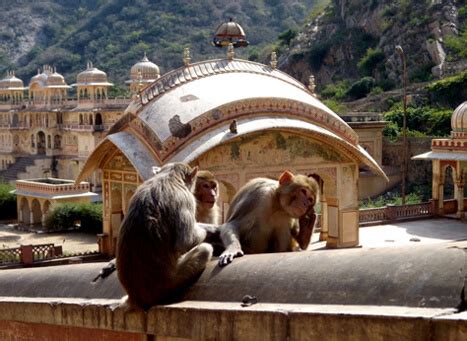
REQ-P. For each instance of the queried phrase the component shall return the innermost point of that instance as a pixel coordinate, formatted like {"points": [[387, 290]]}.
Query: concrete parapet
{"points": [[412, 292]]}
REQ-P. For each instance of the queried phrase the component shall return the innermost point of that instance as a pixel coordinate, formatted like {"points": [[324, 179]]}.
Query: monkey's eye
{"points": [[206, 186], [303, 191]]}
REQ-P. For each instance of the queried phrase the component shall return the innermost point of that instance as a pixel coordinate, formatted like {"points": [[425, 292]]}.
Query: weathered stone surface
{"points": [[412, 276]]}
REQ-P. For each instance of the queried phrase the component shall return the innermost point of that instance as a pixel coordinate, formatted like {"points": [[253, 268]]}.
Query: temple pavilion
{"points": [[187, 115]]}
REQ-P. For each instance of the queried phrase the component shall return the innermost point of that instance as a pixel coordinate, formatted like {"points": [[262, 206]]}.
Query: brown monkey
{"points": [[160, 247], [264, 216], [206, 193]]}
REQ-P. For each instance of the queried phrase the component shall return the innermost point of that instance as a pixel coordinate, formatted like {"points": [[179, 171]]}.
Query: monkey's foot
{"points": [[227, 256]]}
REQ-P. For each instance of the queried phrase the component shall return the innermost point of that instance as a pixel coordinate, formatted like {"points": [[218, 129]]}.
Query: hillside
{"points": [[350, 47], [114, 34]]}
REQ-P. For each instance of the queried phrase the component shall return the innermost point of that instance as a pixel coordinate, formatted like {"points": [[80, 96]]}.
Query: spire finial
{"points": [[312, 84], [273, 59], [186, 56], [230, 52]]}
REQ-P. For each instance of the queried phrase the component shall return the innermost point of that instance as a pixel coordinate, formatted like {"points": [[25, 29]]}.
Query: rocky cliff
{"points": [[353, 39]]}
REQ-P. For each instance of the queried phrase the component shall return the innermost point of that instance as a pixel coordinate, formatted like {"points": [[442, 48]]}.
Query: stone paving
{"points": [[71, 241], [417, 232]]}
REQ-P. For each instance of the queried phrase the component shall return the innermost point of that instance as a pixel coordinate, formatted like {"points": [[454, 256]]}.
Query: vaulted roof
{"points": [[188, 111]]}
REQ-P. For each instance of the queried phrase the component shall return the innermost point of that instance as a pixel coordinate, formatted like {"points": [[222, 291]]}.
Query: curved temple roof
{"points": [[188, 111]]}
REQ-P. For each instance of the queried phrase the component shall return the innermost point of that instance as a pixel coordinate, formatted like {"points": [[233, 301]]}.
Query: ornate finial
{"points": [[233, 127], [90, 65], [230, 52], [38, 70], [312, 84], [273, 59], [186, 56]]}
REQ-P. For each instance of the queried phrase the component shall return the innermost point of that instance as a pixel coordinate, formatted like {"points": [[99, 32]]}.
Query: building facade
{"points": [[44, 130]]}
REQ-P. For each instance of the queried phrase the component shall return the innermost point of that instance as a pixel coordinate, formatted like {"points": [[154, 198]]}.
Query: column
{"points": [[460, 199]]}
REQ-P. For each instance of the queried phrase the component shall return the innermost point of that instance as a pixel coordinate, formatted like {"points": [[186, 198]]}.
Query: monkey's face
{"points": [[206, 193], [298, 201]]}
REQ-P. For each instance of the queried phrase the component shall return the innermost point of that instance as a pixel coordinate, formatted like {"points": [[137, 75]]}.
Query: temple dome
{"points": [[56, 79], [459, 118], [149, 70], [230, 32], [11, 82], [92, 76]]}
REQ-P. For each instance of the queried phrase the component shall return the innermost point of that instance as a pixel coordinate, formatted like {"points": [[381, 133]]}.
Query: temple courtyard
{"points": [[426, 231]]}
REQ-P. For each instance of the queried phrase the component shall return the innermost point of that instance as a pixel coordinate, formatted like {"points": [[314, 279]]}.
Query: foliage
{"points": [[450, 91], [286, 37], [7, 202], [334, 105], [360, 88], [390, 199], [372, 59], [336, 90], [66, 215], [114, 34], [421, 121]]}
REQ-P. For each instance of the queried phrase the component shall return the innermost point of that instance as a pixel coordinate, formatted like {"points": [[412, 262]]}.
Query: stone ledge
{"points": [[228, 320]]}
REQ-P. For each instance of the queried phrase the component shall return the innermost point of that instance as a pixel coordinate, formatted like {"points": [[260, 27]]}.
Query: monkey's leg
{"points": [[192, 264], [281, 240]]}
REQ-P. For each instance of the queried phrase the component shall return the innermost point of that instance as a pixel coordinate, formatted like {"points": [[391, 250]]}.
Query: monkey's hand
{"points": [[307, 224], [228, 256]]}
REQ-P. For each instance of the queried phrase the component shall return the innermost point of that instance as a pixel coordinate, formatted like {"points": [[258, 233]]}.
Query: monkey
{"points": [[160, 248], [264, 216], [206, 194]]}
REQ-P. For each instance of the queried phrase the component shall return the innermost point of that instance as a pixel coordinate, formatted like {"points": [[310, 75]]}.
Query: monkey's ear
{"points": [[285, 178], [193, 173]]}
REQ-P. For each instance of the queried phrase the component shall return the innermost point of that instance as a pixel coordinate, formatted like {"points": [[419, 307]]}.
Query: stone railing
{"points": [[84, 127], [52, 186], [28, 254], [395, 212]]}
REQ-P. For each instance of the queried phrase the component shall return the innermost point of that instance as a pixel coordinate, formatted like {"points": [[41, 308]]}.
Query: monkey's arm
{"points": [[307, 223], [230, 237], [212, 232]]}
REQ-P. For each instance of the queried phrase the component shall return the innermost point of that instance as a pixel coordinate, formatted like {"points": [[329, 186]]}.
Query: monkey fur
{"points": [[264, 216], [160, 247]]}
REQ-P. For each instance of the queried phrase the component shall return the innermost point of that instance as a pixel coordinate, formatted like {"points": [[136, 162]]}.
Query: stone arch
{"points": [[448, 181], [49, 141], [81, 120], [15, 122], [98, 119], [24, 211], [36, 212], [41, 142]]}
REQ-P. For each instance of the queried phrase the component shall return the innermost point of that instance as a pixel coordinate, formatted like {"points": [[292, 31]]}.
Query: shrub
{"points": [[421, 121], [450, 91], [335, 91], [371, 60], [7, 202], [64, 216], [360, 88]]}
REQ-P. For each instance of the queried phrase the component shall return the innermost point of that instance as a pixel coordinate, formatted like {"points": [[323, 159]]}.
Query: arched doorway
{"points": [[98, 120], [41, 146], [36, 212]]}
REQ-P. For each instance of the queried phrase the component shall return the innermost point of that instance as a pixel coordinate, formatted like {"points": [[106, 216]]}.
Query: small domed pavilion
{"points": [[91, 84], [48, 87], [143, 73], [187, 115], [11, 88], [449, 153]]}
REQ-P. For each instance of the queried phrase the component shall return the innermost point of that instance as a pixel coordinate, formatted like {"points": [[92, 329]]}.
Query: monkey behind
{"points": [[160, 247]]}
